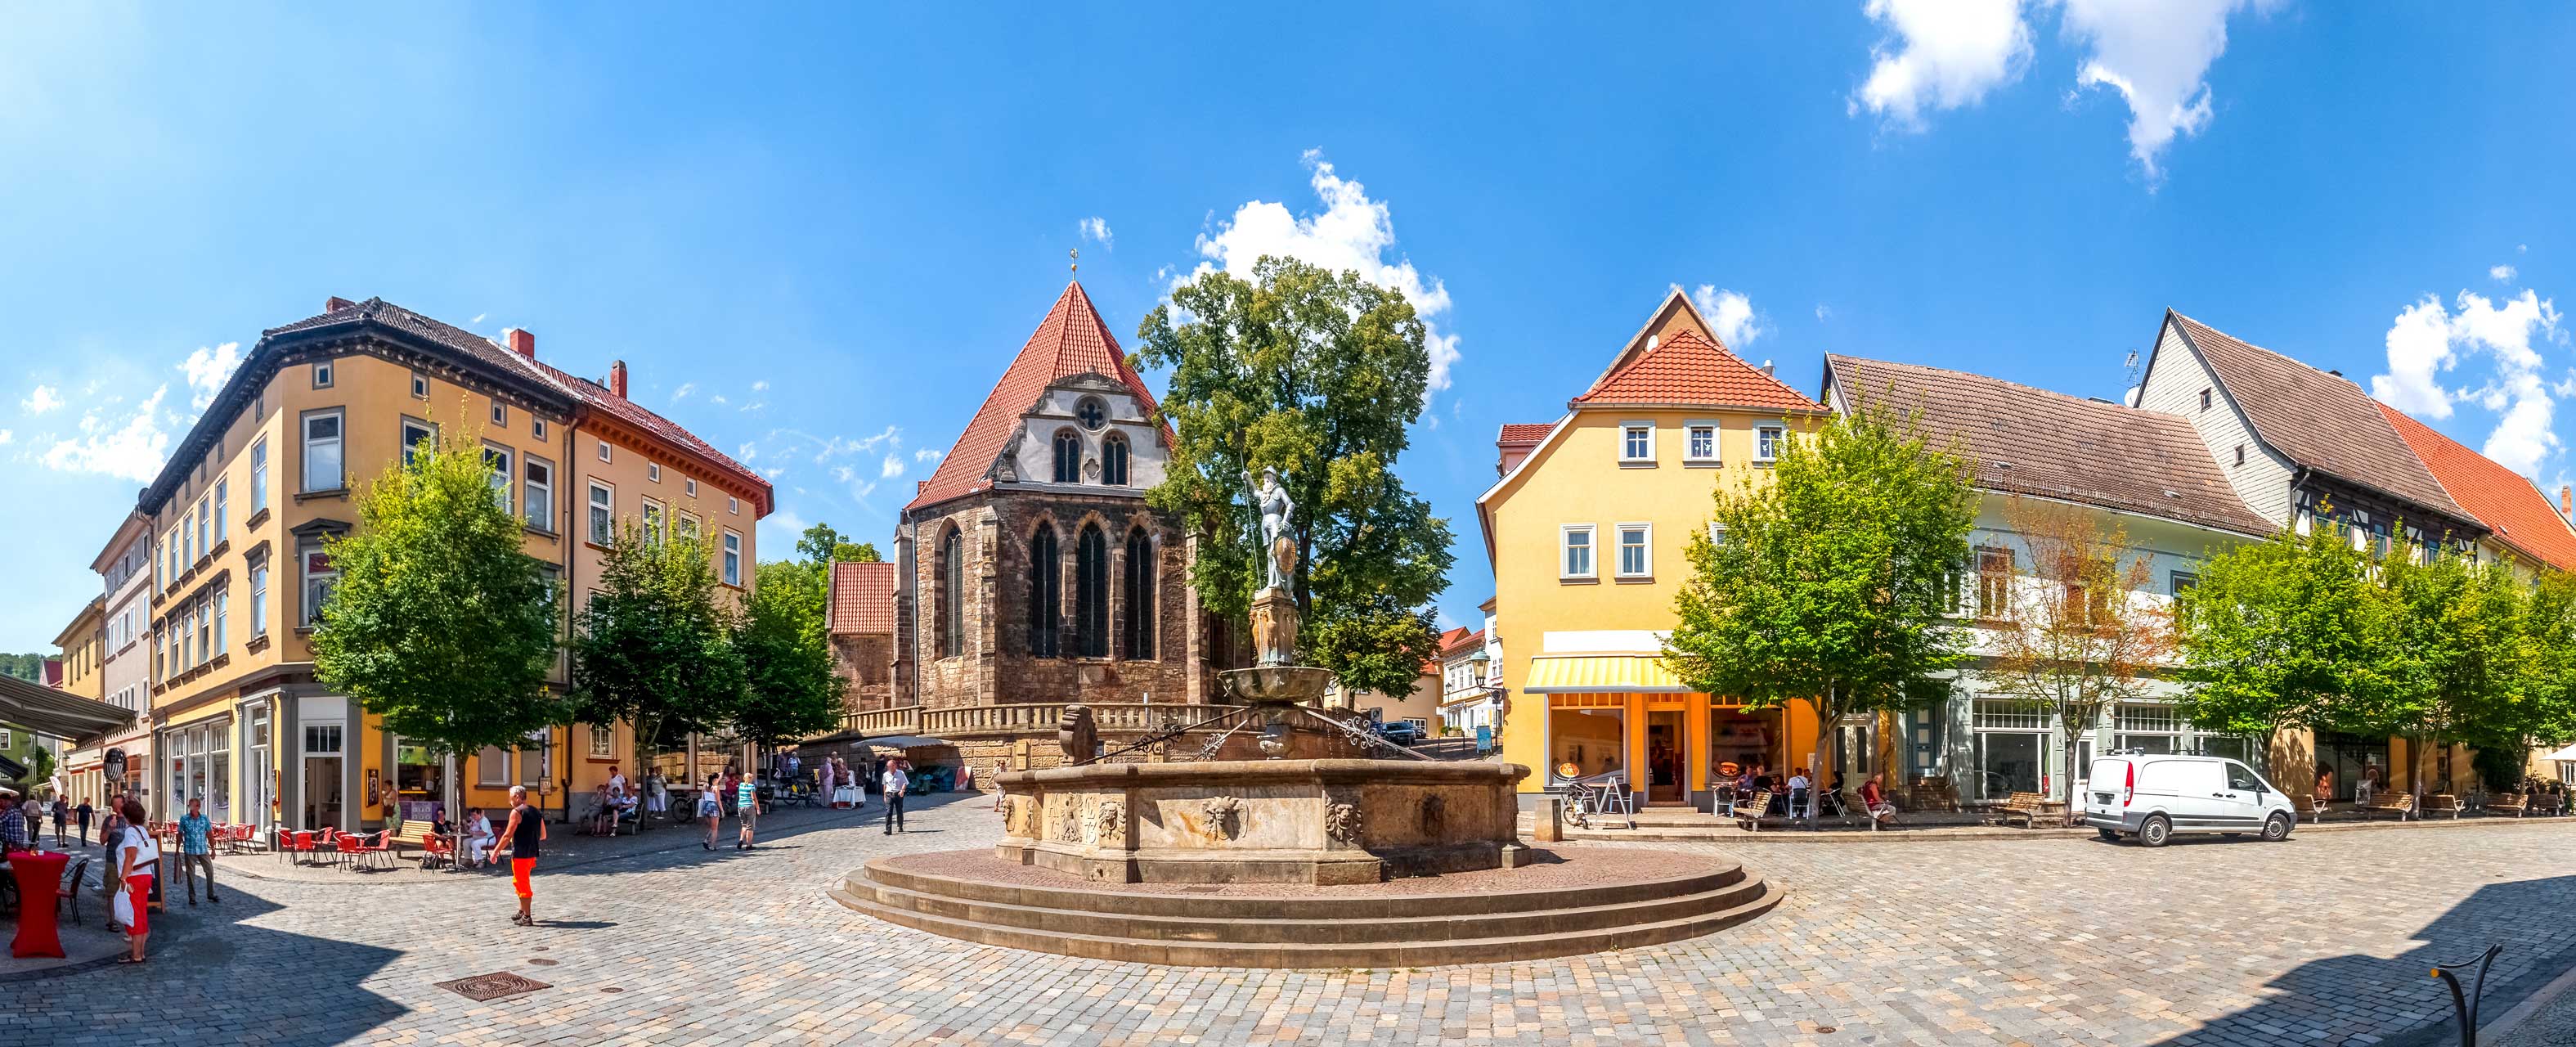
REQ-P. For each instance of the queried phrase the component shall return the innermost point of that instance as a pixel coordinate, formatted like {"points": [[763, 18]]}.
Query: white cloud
{"points": [[1940, 54], [2500, 274], [8, 437], [754, 406], [893, 467], [1730, 314], [1096, 230], [719, 399], [478, 318], [760, 386], [844, 473], [746, 451], [928, 454], [682, 393], [774, 472], [207, 369], [1353, 232], [2427, 340], [1822, 312], [2156, 56], [44, 399], [128, 447]]}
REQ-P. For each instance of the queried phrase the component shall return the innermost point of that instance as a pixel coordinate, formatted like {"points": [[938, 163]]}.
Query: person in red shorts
{"points": [[524, 833], [137, 859]]}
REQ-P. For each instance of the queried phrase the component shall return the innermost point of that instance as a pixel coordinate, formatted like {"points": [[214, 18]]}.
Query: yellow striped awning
{"points": [[1602, 674]]}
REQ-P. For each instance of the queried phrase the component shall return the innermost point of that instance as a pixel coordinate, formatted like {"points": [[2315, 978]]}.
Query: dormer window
{"points": [[1092, 412], [1068, 457]]}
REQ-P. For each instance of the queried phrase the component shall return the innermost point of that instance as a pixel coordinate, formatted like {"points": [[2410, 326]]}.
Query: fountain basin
{"points": [[1275, 683], [1317, 822]]}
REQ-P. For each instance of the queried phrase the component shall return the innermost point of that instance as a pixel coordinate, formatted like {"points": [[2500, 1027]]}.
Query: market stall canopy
{"points": [[905, 741], [45, 710], [2566, 755]]}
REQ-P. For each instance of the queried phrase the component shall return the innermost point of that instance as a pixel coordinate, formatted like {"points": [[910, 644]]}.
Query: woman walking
{"points": [[137, 859], [710, 810], [525, 834]]}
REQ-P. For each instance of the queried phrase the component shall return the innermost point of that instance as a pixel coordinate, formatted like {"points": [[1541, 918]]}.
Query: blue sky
{"points": [[831, 227]]}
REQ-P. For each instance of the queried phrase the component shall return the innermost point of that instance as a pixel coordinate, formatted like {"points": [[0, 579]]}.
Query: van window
{"points": [[2108, 774], [2181, 778], [2241, 778]]}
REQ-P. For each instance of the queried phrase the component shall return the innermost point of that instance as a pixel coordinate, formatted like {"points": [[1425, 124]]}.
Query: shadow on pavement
{"points": [[772, 836], [2395, 1002]]}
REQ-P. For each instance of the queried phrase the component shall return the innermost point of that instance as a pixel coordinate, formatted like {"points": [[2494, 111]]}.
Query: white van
{"points": [[2153, 796]]}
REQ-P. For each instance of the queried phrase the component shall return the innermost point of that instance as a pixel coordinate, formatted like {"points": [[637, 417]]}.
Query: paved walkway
{"points": [[2320, 940]]}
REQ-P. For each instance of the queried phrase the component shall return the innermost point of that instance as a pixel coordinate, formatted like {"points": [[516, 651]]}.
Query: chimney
{"points": [[617, 378], [1767, 370], [2566, 500], [521, 341], [335, 303]]}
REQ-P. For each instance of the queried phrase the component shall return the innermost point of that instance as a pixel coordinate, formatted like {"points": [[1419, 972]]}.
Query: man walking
{"points": [[746, 800], [895, 786], [197, 851], [85, 812], [525, 833], [62, 819]]}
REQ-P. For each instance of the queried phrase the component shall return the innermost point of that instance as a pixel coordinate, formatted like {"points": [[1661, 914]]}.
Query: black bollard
{"points": [[2464, 1005]]}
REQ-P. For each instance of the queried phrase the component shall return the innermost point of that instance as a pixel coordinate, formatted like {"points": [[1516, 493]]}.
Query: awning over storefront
{"points": [[47, 711], [1602, 674]]}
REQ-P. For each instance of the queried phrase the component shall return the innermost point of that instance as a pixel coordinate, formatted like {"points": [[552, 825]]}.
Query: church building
{"points": [[1030, 568]]}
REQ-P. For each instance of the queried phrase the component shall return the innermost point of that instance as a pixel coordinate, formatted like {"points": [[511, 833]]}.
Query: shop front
{"points": [[1627, 714], [196, 759]]}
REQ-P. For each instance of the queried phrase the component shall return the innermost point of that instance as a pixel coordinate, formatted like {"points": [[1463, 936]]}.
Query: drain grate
{"points": [[612, 988], [1202, 890], [541, 961], [483, 988]]}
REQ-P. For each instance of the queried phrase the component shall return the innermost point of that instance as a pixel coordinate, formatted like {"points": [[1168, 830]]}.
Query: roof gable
{"points": [[2024, 440], [1685, 367], [2501, 499], [1071, 341], [2317, 420], [862, 597]]}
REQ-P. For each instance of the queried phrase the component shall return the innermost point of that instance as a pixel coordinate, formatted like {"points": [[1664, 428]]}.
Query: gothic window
{"points": [[1068, 457], [1091, 592], [1113, 461], [1092, 413], [952, 593], [1046, 593], [1140, 597]]}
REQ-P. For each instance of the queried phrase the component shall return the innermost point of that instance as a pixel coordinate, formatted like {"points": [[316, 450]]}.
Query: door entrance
{"points": [[321, 792], [1665, 762]]}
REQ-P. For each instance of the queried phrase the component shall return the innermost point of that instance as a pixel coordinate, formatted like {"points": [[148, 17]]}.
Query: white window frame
{"points": [[733, 506], [536, 428], [223, 499], [604, 453], [259, 474], [1768, 450], [500, 415], [653, 471], [657, 521], [419, 386], [601, 531], [1630, 429], [1716, 437], [501, 464], [338, 443], [1591, 552], [732, 557], [322, 374], [603, 742], [410, 445], [537, 496], [686, 525], [689, 484], [1645, 550], [259, 600]]}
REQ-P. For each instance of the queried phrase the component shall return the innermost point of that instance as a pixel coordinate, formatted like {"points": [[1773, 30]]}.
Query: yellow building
{"points": [[84, 647], [318, 408], [1586, 531]]}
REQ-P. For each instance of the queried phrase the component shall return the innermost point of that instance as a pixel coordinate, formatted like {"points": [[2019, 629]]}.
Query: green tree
{"points": [[1316, 374], [2278, 634], [2450, 653], [1835, 579], [1380, 649], [440, 623], [29, 667], [653, 647], [821, 545], [2540, 709], [792, 691], [40, 768], [856, 552]]}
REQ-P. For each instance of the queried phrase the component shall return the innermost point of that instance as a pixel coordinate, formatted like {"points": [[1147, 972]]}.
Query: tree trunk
{"points": [[2066, 769], [1828, 718]]}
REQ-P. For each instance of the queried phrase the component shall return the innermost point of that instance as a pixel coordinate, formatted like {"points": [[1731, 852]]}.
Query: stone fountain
{"points": [[1308, 798]]}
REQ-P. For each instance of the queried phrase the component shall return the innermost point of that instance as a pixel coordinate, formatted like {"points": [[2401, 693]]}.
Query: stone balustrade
{"points": [[986, 721]]}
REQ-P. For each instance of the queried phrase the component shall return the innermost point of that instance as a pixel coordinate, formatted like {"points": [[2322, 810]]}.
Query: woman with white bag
{"points": [[138, 859]]}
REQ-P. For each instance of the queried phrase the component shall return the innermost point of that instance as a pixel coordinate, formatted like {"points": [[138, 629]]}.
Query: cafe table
{"points": [[39, 875]]}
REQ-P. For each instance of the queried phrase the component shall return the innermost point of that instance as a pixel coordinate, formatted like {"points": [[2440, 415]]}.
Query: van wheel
{"points": [[2276, 828], [2109, 835], [2157, 832]]}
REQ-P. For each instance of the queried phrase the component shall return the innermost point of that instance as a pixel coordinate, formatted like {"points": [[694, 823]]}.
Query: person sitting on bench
{"points": [[1873, 799]]}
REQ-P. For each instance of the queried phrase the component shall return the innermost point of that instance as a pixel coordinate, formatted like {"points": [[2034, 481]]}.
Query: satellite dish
{"points": [[2131, 397]]}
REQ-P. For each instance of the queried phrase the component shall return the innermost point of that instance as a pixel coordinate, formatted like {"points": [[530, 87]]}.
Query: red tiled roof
{"points": [[863, 597], [2499, 497], [2023, 440], [2319, 420], [1524, 432], [678, 437], [1685, 368], [1460, 639], [1071, 340]]}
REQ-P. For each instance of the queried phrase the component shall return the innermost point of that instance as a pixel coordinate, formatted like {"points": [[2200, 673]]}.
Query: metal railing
{"points": [[975, 721]]}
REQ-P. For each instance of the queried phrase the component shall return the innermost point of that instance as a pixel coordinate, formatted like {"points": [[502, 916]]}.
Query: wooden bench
{"points": [[2313, 808], [2400, 804], [1749, 813], [2029, 807], [2440, 803], [2515, 804]]}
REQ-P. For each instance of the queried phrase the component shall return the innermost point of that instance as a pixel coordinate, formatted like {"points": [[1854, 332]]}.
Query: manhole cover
{"points": [[488, 987], [541, 961]]}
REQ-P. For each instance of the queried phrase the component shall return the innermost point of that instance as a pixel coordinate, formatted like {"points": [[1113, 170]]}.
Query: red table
{"points": [[40, 875]]}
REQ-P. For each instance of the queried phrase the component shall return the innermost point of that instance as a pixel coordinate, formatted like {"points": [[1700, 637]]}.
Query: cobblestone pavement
{"points": [[2319, 940]]}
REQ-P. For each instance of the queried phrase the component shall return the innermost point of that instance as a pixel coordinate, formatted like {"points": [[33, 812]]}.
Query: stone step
{"points": [[1108, 900], [1334, 955], [1343, 930]]}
